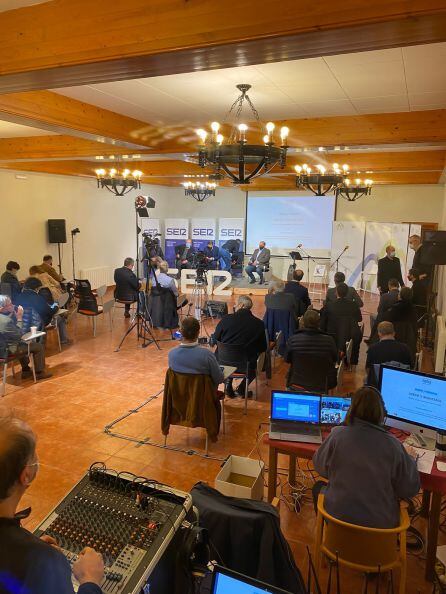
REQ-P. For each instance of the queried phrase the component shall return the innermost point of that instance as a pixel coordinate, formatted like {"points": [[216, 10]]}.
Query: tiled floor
{"points": [[93, 385]]}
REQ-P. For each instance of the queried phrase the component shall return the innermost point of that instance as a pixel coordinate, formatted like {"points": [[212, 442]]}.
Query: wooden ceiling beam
{"points": [[68, 43]]}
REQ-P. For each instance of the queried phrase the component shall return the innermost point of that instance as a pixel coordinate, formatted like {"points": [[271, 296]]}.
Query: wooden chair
{"points": [[363, 549], [4, 362]]}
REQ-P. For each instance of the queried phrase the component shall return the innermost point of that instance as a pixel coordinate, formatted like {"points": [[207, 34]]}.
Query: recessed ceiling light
{"points": [[98, 157], [111, 156], [337, 148], [125, 156], [321, 149], [136, 156]]}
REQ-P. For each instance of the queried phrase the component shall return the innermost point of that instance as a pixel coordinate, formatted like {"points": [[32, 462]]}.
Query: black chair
{"points": [[310, 372], [88, 304], [5, 289], [234, 355], [161, 308]]}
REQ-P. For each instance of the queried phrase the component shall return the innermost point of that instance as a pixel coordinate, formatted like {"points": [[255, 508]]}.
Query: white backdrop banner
{"points": [[176, 232], [151, 226], [203, 230], [231, 229], [351, 234], [377, 237]]}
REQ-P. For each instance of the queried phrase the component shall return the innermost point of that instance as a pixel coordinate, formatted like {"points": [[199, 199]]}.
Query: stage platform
{"points": [[241, 286]]}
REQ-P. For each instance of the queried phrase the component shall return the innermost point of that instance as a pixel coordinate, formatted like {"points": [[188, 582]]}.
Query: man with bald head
{"points": [[387, 350], [389, 267], [28, 564]]}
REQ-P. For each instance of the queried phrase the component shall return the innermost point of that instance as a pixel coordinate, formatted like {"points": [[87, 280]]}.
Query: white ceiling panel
{"points": [[318, 109], [417, 99], [388, 103]]}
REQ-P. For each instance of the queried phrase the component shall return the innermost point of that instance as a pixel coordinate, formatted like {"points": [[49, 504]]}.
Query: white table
{"points": [[28, 338]]}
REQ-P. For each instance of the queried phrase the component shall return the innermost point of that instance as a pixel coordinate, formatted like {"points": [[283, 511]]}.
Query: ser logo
{"points": [[175, 231], [151, 232], [426, 381], [230, 232], [202, 232]]}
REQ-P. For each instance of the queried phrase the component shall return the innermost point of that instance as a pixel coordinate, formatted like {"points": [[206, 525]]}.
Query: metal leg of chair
{"points": [[58, 335], [245, 412], [257, 385], [165, 440], [223, 413], [111, 320], [94, 326], [13, 368], [5, 367], [31, 358], [207, 444]]}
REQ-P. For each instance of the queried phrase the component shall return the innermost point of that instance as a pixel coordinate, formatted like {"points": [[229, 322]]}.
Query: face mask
{"points": [[392, 254]]}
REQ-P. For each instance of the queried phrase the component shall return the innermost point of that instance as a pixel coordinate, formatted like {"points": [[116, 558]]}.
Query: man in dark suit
{"points": [[242, 328], [419, 292], [386, 301], [403, 315], [299, 291], [212, 254], [387, 350], [352, 294], [388, 267], [259, 262], [127, 285], [424, 270], [340, 318], [184, 256]]}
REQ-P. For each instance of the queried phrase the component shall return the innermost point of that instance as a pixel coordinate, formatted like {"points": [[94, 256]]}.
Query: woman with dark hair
{"points": [[368, 469]]}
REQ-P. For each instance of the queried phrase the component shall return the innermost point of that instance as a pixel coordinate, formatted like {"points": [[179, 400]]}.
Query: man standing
{"points": [[299, 291], [244, 329], [127, 285], [27, 563], [9, 277], [259, 263], [387, 350], [11, 340], [352, 293], [388, 267], [47, 266], [424, 270]]}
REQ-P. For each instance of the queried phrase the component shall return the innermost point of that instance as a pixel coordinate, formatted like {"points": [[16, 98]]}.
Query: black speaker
{"points": [[57, 232], [433, 248]]}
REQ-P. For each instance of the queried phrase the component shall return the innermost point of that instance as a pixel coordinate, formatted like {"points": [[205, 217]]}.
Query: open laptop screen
{"points": [[334, 409], [295, 406], [226, 581]]}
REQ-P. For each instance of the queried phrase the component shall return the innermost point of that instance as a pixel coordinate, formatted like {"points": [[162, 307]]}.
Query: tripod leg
{"points": [[127, 332]]}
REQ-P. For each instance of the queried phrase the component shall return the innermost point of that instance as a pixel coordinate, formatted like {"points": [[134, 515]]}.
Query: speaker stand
{"points": [[60, 259]]}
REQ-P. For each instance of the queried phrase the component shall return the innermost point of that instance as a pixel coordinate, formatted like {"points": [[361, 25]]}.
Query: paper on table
{"points": [[425, 460], [442, 468]]}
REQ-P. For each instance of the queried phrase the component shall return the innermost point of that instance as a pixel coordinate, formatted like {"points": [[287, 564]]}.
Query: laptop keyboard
{"points": [[277, 427]]}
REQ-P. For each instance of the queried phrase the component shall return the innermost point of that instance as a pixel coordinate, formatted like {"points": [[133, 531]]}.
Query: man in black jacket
{"points": [[27, 563], [9, 277], [352, 294], [311, 341], [340, 318], [388, 267], [419, 292], [424, 270], [184, 256], [403, 316], [127, 285], [242, 328], [299, 291], [387, 350]]}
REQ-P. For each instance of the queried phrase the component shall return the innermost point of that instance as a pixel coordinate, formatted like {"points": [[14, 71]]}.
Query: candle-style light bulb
{"points": [[270, 127], [266, 139], [112, 172], [357, 181], [347, 181], [215, 127], [202, 134], [321, 169], [137, 174], [242, 129], [298, 169], [284, 131], [219, 138], [345, 168]]}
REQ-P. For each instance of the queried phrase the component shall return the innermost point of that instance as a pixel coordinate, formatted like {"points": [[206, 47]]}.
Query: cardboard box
{"points": [[241, 477]]}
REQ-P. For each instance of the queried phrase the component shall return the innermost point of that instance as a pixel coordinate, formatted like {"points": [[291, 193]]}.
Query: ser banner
{"points": [[203, 230], [230, 230], [348, 234], [176, 233]]}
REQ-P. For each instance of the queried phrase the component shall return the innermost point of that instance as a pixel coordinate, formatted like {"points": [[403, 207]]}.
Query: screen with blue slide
{"points": [[414, 397], [285, 221], [225, 583], [295, 406]]}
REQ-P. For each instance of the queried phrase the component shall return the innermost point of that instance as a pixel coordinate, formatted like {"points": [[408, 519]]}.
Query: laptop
{"points": [[226, 581], [295, 416], [334, 410]]}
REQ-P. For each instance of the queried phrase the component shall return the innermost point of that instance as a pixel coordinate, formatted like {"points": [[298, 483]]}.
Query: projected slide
{"points": [[286, 221], [415, 398]]}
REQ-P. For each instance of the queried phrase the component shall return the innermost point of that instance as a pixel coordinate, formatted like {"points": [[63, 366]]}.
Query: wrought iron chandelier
{"points": [[239, 161], [199, 190], [119, 181], [352, 192]]}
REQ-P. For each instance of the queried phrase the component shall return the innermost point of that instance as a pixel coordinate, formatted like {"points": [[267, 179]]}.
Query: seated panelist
{"points": [[212, 254], [259, 263], [184, 256]]}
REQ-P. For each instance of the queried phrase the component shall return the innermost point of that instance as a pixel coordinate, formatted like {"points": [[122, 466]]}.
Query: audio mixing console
{"points": [[130, 520]]}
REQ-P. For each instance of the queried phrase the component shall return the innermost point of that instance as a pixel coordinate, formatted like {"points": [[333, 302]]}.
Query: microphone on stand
{"points": [[300, 245], [346, 248]]}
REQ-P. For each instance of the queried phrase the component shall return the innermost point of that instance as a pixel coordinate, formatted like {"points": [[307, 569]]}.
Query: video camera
{"points": [[201, 265], [150, 241]]}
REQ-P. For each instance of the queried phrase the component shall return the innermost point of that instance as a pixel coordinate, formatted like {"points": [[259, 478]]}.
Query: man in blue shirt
{"points": [[164, 280], [190, 357]]}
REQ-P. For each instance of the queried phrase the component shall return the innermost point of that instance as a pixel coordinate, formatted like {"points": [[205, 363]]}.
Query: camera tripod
{"points": [[199, 303], [139, 320]]}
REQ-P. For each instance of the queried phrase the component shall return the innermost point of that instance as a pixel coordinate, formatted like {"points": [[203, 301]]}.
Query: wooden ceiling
{"points": [[90, 41]]}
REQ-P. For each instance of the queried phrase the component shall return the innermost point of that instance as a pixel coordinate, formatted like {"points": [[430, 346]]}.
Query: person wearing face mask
{"points": [[28, 563], [259, 262], [389, 267], [184, 256]]}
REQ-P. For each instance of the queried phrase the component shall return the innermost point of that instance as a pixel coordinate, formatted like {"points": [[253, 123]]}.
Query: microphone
{"points": [[300, 245], [346, 248]]}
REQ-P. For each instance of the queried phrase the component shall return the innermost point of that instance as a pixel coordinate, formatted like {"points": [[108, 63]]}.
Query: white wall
{"points": [[107, 223]]}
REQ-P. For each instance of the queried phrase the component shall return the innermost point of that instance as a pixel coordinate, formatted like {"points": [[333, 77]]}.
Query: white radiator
{"points": [[440, 345], [102, 275]]}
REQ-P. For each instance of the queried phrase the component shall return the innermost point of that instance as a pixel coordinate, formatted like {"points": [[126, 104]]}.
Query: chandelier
{"points": [[199, 190], [322, 181], [235, 158], [119, 181], [352, 192]]}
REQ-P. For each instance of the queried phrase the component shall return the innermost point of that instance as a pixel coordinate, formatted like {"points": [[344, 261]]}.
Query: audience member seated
{"points": [[184, 256], [244, 329], [386, 300], [419, 292], [281, 314], [387, 350], [127, 285], [47, 266], [259, 262], [300, 292], [340, 318], [9, 277], [367, 468], [389, 267], [27, 563], [403, 315], [212, 254], [309, 340], [47, 281], [164, 280], [11, 330], [190, 357], [162, 300], [352, 294], [37, 310]]}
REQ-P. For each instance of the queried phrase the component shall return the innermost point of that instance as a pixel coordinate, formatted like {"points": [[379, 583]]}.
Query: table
{"points": [[28, 338], [433, 485]]}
